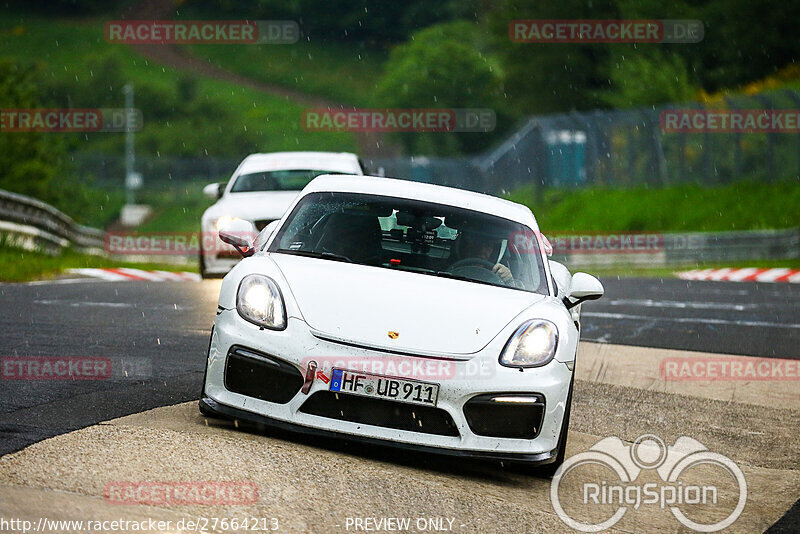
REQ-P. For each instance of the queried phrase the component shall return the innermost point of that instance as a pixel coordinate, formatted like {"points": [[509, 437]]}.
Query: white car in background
{"points": [[260, 190], [401, 313]]}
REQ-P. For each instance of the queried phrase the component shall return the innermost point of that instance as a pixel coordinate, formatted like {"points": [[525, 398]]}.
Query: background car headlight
{"points": [[259, 301], [224, 221], [532, 344]]}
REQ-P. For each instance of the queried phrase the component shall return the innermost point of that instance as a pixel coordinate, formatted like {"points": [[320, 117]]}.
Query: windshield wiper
{"points": [[313, 254]]}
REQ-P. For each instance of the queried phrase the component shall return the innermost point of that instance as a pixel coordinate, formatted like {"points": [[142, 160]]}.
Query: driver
{"points": [[473, 245]]}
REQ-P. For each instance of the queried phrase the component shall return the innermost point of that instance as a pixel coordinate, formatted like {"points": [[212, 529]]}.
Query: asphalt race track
{"points": [[162, 326], [753, 319], [155, 335]]}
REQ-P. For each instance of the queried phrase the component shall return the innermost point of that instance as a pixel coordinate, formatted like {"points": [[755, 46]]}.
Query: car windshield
{"points": [[410, 235], [283, 180]]}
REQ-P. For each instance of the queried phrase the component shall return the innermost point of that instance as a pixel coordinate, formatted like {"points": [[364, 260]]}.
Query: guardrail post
{"points": [[770, 152]]}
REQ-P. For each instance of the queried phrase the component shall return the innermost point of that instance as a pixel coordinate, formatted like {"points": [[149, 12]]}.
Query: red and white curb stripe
{"points": [[749, 274], [137, 275]]}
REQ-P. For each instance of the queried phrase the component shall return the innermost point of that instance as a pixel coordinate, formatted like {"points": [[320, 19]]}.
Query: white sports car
{"points": [[401, 313], [260, 190]]}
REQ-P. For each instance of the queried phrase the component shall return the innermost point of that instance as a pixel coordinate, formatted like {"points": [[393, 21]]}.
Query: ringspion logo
{"points": [[624, 489]]}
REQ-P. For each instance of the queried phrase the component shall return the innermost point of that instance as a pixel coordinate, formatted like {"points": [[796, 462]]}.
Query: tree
{"points": [[442, 67], [550, 77], [28, 161], [35, 163], [648, 78]]}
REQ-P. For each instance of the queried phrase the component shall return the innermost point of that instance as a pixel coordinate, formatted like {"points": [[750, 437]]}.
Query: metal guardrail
{"points": [[676, 249], [31, 224], [732, 246]]}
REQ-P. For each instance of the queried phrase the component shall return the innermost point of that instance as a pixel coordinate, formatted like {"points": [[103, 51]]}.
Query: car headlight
{"points": [[533, 344], [259, 301], [224, 221]]}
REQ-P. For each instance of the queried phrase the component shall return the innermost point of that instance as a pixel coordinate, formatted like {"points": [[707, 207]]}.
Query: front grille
{"points": [[488, 417], [379, 412], [260, 225], [255, 374]]}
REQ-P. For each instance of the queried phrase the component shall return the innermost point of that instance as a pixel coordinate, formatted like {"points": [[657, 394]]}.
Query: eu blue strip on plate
{"points": [[336, 380]]}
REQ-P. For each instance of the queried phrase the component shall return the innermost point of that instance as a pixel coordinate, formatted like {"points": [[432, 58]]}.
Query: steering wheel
{"points": [[475, 268], [472, 262]]}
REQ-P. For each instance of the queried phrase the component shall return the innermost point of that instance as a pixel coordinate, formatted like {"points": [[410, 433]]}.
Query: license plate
{"points": [[384, 387]]}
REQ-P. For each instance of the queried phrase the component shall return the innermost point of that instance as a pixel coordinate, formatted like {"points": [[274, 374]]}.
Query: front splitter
{"points": [[208, 404]]}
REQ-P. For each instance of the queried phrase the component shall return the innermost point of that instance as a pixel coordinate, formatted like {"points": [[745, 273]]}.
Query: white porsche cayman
{"points": [[401, 313]]}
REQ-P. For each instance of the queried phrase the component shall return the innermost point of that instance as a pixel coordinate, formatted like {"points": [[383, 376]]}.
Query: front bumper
{"points": [[462, 381], [238, 414]]}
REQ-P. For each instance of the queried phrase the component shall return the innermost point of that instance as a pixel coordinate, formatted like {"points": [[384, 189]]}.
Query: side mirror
{"points": [[213, 191], [583, 287], [237, 233]]}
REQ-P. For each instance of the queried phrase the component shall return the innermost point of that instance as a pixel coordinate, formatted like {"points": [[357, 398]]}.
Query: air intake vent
{"points": [[260, 375], [505, 415]]}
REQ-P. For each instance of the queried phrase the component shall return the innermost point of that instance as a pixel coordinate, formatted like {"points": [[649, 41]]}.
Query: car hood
{"points": [[253, 206], [432, 315]]}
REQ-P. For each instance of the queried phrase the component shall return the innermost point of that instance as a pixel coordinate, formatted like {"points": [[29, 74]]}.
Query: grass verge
{"points": [[328, 70], [690, 208], [18, 265], [175, 210]]}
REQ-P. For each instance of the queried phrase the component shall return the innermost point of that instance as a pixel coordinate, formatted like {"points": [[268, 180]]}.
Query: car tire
{"points": [[548, 470]]}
